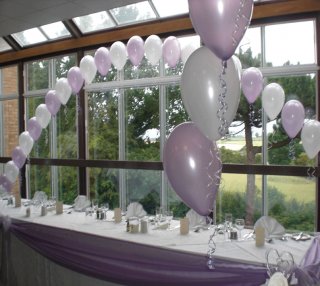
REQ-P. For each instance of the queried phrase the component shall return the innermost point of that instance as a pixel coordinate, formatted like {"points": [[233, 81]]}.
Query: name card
{"points": [[17, 200], [59, 207], [260, 236]]}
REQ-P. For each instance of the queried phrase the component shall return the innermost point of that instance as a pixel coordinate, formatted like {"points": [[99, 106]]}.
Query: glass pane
{"points": [[249, 49], [239, 195], [68, 184], [144, 70], [65, 127], [29, 37], [133, 13], [94, 22], [9, 82], [41, 147], [291, 200], [144, 186], [290, 44], [175, 112], [104, 186], [63, 64], [103, 135], [167, 8], [142, 124], [38, 75], [39, 180], [302, 88], [4, 46], [9, 126], [55, 30]]}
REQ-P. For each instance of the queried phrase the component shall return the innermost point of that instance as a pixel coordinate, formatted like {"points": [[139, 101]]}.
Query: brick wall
{"points": [[9, 86]]}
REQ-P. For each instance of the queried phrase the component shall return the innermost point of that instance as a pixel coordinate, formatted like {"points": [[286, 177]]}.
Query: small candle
{"points": [[184, 226], [59, 207], [117, 215], [260, 236], [17, 200]]}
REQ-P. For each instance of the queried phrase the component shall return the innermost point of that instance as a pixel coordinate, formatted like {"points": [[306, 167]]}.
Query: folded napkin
{"points": [[81, 203], [195, 219], [278, 279], [271, 226], [135, 209], [39, 198]]}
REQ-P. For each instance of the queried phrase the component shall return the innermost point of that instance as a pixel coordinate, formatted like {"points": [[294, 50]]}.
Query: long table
{"points": [[75, 249]]}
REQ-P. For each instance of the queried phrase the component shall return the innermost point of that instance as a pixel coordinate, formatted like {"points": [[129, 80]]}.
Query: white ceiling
{"points": [[19, 15]]}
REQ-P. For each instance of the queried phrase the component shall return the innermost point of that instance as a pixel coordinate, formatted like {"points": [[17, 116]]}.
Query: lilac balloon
{"points": [[252, 84], [18, 157], [171, 51], [102, 60], [191, 163], [292, 117], [5, 184], [75, 79], [52, 102], [34, 128], [135, 50], [221, 24]]}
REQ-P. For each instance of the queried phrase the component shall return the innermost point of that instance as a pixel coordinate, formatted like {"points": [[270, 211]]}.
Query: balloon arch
{"points": [[211, 85]]}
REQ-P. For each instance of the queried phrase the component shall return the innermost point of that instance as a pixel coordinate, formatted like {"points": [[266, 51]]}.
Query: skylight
{"points": [[94, 22], [42, 34], [133, 13], [29, 37], [55, 30], [4, 46], [167, 8]]}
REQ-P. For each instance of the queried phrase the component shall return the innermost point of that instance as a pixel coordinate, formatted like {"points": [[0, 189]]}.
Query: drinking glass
{"points": [[239, 224], [228, 221], [169, 215]]}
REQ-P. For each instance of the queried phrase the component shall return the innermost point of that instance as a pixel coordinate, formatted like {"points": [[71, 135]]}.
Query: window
{"points": [[130, 113]]}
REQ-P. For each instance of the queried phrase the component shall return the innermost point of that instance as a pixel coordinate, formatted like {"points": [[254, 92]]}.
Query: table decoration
{"points": [[135, 209], [271, 226], [184, 226]]}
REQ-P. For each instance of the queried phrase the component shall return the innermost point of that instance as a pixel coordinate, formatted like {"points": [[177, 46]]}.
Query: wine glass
{"points": [[169, 215], [104, 209], [228, 221], [239, 224]]}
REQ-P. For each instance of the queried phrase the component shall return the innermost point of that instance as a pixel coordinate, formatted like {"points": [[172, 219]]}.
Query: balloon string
{"points": [[272, 139], [223, 106], [237, 26], [212, 248], [46, 137], [251, 115], [65, 111], [311, 173], [292, 153], [214, 180]]}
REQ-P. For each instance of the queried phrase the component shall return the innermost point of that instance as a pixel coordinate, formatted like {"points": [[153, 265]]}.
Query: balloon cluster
{"points": [[210, 89]]}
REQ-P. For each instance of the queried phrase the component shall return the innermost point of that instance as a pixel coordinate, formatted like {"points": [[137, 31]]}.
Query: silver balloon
{"points": [[201, 92]]}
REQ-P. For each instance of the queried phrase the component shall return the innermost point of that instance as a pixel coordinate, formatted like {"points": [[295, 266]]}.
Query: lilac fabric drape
{"points": [[131, 263], [310, 264]]}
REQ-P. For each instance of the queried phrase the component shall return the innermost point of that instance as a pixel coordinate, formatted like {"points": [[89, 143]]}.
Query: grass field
{"points": [[301, 189]]}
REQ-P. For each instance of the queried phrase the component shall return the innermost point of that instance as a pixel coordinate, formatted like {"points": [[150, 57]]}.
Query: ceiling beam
{"points": [[262, 10]]}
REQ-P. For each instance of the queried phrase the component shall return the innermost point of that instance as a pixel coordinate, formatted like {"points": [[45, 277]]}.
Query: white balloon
{"points": [[238, 65], [153, 49], [43, 115], [310, 137], [118, 55], [88, 68], [63, 90], [186, 51], [11, 171], [273, 100], [200, 89], [25, 142]]}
